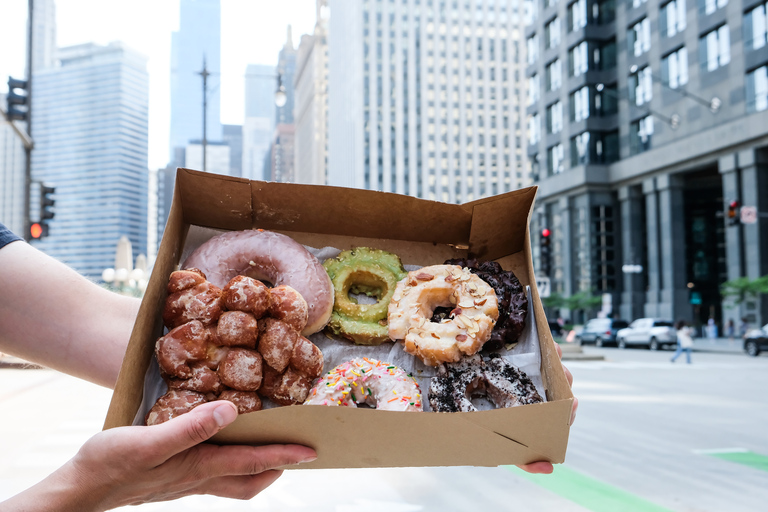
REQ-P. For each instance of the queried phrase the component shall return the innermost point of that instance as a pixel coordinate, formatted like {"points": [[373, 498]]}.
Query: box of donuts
{"points": [[380, 329]]}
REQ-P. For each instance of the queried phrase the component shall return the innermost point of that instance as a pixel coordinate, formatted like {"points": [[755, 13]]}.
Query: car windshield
{"points": [[620, 324], [662, 323]]}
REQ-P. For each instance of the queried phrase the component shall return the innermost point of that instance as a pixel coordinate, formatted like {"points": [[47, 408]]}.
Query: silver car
{"points": [[654, 333]]}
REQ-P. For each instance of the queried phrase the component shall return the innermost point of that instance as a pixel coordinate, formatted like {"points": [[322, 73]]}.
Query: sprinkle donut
{"points": [[271, 257], [473, 315], [367, 381]]}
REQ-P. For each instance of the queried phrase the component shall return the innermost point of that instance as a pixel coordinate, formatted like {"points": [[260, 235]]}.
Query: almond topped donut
{"points": [[271, 257], [473, 315]]}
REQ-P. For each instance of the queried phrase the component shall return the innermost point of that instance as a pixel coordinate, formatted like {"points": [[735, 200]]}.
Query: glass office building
{"points": [[91, 124]]}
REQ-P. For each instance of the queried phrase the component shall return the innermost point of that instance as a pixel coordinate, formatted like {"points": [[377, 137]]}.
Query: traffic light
{"points": [[733, 213], [544, 251], [39, 229], [18, 99]]}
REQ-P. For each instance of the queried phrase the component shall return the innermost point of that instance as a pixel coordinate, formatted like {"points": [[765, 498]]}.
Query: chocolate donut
{"points": [[513, 301], [502, 383]]}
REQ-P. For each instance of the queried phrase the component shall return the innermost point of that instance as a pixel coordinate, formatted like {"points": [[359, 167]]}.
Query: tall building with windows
{"points": [[646, 119], [258, 127], [279, 161], [198, 40], [425, 97], [90, 129]]}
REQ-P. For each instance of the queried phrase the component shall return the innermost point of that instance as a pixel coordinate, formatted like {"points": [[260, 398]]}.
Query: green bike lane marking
{"points": [[740, 456], [589, 492]]}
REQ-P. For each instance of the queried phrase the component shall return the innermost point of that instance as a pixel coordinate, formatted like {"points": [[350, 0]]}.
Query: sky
{"points": [[252, 32]]}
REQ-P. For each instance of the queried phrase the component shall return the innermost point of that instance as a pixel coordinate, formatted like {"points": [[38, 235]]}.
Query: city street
{"points": [[649, 436]]}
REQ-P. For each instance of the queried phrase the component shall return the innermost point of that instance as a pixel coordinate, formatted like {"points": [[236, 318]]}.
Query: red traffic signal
{"points": [[733, 213], [36, 230], [545, 233]]}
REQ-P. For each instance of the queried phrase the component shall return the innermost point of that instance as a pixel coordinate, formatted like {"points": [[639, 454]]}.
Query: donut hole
{"points": [[365, 288], [477, 393]]}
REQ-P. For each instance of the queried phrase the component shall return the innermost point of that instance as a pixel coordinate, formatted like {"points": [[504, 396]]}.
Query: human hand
{"points": [[134, 465], [544, 466]]}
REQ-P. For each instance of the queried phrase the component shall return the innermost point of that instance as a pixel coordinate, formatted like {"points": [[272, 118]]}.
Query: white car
{"points": [[653, 333]]}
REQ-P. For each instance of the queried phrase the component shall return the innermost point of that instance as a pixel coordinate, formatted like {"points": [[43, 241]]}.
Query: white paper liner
{"points": [[525, 355]]}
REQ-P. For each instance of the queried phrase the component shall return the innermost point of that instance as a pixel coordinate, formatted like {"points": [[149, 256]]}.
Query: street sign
{"points": [[748, 214], [695, 298], [542, 284]]}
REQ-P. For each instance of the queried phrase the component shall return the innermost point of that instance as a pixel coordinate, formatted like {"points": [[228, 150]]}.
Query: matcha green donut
{"points": [[363, 270]]}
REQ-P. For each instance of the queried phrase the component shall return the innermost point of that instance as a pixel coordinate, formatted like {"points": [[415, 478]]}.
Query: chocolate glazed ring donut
{"points": [[496, 379], [272, 257]]}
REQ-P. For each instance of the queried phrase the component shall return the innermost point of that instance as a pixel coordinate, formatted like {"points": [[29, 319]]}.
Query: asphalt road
{"points": [[649, 436]]}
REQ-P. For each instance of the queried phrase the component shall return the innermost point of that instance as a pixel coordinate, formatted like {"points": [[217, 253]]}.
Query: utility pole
{"points": [[205, 74]]}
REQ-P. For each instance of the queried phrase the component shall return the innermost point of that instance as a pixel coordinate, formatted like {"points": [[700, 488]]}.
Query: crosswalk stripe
{"points": [[588, 492], [740, 456]]}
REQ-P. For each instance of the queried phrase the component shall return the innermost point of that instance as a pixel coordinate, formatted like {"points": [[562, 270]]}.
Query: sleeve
{"points": [[7, 236]]}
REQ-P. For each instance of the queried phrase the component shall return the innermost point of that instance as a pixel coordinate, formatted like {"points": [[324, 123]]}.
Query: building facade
{"points": [[311, 107], [279, 161], [90, 129], [198, 40], [259, 123], [425, 97], [646, 119], [12, 163]]}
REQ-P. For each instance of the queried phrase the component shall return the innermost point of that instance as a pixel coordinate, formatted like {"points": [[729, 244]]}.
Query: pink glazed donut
{"points": [[271, 257]]}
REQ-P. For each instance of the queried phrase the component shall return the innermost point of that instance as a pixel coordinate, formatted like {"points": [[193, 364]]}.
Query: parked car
{"points": [[756, 341], [654, 333], [601, 331]]}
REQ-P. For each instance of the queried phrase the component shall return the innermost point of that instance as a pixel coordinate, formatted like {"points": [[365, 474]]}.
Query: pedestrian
{"points": [[730, 330], [744, 327], [684, 341], [53, 316], [711, 329]]}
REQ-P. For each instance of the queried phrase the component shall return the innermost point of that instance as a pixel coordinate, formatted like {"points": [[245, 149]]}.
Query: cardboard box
{"points": [[421, 232]]}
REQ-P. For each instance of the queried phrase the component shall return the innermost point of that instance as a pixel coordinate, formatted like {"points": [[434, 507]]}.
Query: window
{"points": [[555, 159], [533, 89], [534, 129], [580, 149], [715, 49], [555, 117], [580, 104], [757, 89], [640, 133], [552, 33], [639, 37], [606, 100], [530, 11], [710, 6], [638, 3], [672, 19], [756, 27], [578, 59], [532, 45], [674, 68], [641, 86], [577, 15], [554, 76]]}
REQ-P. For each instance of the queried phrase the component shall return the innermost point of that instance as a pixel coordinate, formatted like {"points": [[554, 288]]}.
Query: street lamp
{"points": [[127, 278], [713, 105]]}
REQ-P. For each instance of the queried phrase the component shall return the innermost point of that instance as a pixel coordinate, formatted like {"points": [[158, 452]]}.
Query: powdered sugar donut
{"points": [[367, 381], [272, 257]]}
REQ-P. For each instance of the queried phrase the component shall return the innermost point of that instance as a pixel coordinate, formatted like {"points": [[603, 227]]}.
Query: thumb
{"points": [[192, 428]]}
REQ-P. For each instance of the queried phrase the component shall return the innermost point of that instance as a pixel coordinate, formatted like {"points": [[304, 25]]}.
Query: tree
{"points": [[743, 288]]}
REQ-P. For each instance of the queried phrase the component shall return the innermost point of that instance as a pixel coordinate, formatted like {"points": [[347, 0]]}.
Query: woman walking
{"points": [[684, 341]]}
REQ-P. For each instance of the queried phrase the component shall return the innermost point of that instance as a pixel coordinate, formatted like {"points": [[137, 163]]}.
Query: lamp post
{"points": [[125, 278]]}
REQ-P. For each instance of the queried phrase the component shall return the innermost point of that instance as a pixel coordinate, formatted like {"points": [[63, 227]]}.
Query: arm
{"points": [[51, 315], [134, 465]]}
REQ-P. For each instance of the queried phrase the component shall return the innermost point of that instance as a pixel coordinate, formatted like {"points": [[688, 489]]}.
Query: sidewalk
{"points": [[723, 345]]}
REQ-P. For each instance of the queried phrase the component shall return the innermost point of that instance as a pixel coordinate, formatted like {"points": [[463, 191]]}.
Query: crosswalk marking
{"points": [[740, 456], [590, 493]]}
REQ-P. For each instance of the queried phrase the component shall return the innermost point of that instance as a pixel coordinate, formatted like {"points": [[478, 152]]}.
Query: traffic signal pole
{"points": [[28, 147]]}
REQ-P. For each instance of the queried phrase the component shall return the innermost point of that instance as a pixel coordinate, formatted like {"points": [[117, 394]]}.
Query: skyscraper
{"points": [[424, 97], [311, 107], [647, 122], [198, 39], [90, 128], [259, 124], [279, 164]]}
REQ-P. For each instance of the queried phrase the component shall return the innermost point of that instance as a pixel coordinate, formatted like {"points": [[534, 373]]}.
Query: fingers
{"points": [[245, 460], [541, 467], [240, 487], [568, 375], [573, 411], [559, 350], [190, 429]]}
